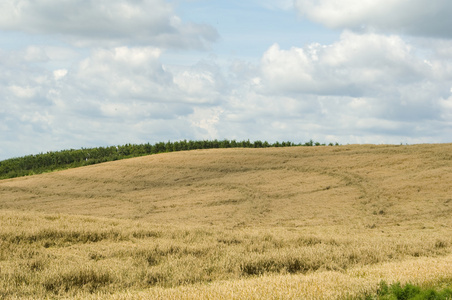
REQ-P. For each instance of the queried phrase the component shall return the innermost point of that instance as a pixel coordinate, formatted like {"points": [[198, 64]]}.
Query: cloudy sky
{"points": [[93, 73]]}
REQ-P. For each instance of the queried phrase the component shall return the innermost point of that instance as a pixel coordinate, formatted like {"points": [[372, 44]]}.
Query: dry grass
{"points": [[302, 222], [320, 285]]}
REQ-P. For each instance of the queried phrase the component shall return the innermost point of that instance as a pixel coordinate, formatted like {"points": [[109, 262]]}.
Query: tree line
{"points": [[59, 160]]}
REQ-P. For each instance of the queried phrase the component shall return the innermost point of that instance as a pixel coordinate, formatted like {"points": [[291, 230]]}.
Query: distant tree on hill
{"points": [[50, 161]]}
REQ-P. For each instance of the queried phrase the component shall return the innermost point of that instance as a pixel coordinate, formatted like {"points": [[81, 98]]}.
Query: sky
{"points": [[92, 73]]}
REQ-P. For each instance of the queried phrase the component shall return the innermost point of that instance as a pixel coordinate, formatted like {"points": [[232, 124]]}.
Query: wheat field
{"points": [[275, 223]]}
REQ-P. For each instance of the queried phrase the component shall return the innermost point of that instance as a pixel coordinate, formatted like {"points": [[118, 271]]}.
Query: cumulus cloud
{"points": [[416, 17], [371, 85], [204, 121], [129, 90], [117, 95], [106, 22], [363, 88], [123, 72], [203, 82], [356, 65], [136, 73]]}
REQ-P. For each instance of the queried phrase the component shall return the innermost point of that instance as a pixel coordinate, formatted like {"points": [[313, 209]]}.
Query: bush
{"points": [[410, 292]]}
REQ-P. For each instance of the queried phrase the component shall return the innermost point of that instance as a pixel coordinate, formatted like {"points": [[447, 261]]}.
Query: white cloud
{"points": [[358, 64], [35, 54], [114, 96], [58, 74], [194, 83], [369, 86], [205, 122], [363, 88], [415, 17], [137, 74], [203, 82], [446, 109], [105, 22], [123, 72], [22, 92]]}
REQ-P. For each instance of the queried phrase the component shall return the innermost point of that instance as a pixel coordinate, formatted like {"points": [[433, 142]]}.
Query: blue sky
{"points": [[248, 28], [95, 73]]}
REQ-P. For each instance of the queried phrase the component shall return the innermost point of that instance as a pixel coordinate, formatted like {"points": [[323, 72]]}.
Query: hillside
{"points": [[239, 213], [281, 186], [67, 159]]}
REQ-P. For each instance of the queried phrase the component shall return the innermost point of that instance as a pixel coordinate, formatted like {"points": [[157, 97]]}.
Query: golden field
{"points": [[275, 223]]}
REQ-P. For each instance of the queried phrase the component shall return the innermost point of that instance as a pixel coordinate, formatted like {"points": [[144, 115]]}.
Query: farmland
{"points": [[298, 222]]}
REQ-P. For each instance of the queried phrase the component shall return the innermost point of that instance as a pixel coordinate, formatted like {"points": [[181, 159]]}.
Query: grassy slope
{"points": [[351, 215]]}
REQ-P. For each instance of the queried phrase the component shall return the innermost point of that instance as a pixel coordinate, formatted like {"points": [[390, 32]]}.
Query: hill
{"points": [[354, 214], [66, 159]]}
